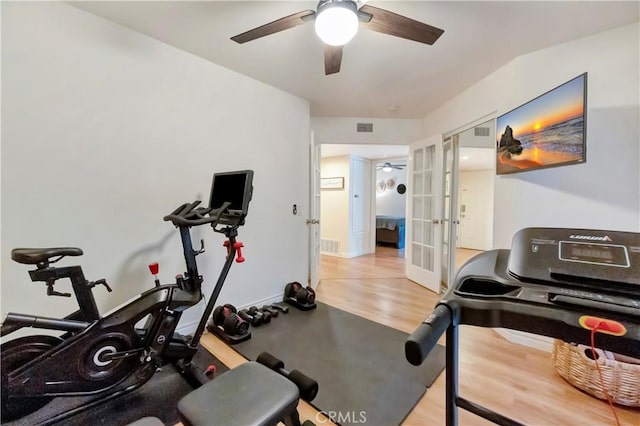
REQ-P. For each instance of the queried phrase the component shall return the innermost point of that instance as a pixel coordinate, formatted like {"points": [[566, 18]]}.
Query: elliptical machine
{"points": [[109, 356]]}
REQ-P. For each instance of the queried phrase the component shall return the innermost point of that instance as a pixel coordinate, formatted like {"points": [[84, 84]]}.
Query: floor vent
{"points": [[329, 246]]}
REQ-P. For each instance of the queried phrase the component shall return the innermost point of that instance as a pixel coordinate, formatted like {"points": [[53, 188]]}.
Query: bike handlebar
{"points": [[189, 214], [424, 338]]}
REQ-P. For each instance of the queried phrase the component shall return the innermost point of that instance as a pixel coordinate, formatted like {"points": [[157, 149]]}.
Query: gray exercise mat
{"points": [[360, 366]]}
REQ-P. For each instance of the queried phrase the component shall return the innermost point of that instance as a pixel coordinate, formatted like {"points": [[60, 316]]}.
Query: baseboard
{"points": [[349, 255], [188, 328], [535, 341], [344, 255], [265, 301]]}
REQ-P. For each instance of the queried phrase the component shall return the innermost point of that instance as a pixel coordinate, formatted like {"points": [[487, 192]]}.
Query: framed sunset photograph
{"points": [[548, 131]]}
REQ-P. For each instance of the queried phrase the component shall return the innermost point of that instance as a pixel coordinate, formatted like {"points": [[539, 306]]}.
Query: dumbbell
{"points": [[270, 309], [227, 317], [281, 307], [306, 385], [266, 316], [255, 319], [303, 295]]}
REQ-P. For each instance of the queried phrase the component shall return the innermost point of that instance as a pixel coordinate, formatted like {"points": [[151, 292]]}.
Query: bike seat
{"points": [[33, 256]]}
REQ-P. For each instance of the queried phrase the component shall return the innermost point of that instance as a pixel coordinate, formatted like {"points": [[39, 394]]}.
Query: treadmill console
{"points": [[576, 256], [561, 283]]}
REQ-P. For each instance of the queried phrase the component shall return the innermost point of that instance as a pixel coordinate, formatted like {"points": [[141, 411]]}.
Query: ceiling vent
{"points": [[481, 131], [364, 128]]}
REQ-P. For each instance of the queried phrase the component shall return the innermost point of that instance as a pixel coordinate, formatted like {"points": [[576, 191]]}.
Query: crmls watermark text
{"points": [[342, 416]]}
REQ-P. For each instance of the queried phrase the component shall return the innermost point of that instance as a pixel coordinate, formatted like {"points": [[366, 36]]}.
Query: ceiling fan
{"points": [[387, 167], [336, 23]]}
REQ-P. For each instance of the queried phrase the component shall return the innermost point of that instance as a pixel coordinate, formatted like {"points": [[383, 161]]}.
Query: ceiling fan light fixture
{"points": [[387, 167], [337, 22]]}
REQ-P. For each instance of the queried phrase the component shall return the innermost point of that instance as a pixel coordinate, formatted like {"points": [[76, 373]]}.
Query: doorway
{"points": [[355, 165], [466, 147], [469, 164], [390, 205], [475, 187]]}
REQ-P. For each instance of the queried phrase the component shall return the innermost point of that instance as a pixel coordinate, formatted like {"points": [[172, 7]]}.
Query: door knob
{"points": [[435, 221]]}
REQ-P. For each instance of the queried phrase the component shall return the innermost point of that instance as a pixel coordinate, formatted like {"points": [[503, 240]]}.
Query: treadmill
{"points": [[554, 282]]}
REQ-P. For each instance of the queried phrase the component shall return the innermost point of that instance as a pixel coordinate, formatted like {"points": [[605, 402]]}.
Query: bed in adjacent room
{"points": [[390, 230]]}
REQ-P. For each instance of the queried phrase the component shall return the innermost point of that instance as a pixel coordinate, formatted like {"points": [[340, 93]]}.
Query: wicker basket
{"points": [[621, 379]]}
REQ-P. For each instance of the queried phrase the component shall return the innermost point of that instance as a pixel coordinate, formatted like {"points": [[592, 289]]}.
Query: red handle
{"points": [[238, 246], [154, 268], [210, 370]]}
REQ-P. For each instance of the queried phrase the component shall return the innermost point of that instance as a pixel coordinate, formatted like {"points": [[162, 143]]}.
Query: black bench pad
{"points": [[250, 394]]}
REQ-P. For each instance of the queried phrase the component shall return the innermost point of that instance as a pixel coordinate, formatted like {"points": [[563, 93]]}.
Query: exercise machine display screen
{"points": [[234, 188], [576, 257], [599, 254]]}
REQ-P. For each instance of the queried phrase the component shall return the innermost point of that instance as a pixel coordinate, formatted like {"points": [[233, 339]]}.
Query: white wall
{"points": [[334, 203], [106, 130], [604, 192], [469, 140], [390, 131], [389, 202]]}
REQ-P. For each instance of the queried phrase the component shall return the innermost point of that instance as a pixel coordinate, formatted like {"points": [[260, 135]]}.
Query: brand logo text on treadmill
{"points": [[590, 238]]}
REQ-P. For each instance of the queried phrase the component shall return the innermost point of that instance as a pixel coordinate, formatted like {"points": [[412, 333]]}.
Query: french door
{"points": [[424, 224]]}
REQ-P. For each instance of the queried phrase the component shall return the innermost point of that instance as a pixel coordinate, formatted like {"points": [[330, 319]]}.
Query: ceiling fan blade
{"points": [[332, 59], [275, 26], [393, 24]]}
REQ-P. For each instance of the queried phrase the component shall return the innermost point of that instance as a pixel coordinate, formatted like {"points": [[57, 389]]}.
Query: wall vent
{"points": [[481, 131], [329, 246], [364, 127]]}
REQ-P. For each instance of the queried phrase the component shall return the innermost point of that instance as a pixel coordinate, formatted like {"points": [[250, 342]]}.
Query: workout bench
{"points": [[250, 394]]}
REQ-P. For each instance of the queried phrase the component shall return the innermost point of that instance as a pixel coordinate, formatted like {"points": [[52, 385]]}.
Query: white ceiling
{"points": [[378, 71]]}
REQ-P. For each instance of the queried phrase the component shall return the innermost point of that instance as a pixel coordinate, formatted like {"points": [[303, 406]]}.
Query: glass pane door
{"points": [[423, 223], [422, 252]]}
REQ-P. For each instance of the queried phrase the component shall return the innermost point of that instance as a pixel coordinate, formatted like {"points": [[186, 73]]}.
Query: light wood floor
{"points": [[511, 379]]}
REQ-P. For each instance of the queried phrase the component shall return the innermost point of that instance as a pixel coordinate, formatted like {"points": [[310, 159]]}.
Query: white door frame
{"points": [[313, 221], [449, 216]]}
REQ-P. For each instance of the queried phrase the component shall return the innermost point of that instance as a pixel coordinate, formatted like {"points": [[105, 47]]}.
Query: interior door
{"points": [[424, 224], [313, 222]]}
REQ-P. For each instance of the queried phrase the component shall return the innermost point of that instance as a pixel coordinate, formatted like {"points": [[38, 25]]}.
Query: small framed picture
{"points": [[332, 183]]}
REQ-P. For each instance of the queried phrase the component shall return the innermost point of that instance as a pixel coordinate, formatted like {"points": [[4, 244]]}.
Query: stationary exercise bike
{"points": [[115, 354]]}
